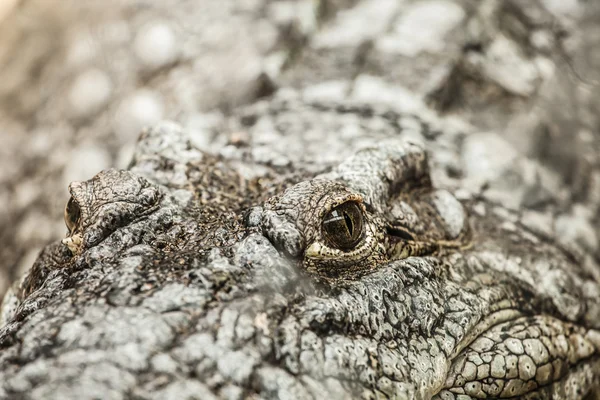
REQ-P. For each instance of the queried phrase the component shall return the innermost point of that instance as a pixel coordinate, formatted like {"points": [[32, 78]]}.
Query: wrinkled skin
{"points": [[103, 204], [254, 296], [498, 347]]}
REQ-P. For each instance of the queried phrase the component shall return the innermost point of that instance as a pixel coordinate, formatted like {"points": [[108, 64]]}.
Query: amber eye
{"points": [[343, 226], [72, 214]]}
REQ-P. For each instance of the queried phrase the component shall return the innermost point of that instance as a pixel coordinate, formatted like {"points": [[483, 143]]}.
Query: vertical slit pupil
{"points": [[348, 223]]}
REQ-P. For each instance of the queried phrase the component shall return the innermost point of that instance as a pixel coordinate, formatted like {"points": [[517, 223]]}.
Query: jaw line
{"points": [[495, 318]]}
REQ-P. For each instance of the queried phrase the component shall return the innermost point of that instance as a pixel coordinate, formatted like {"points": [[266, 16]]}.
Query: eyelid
{"points": [[335, 201]]}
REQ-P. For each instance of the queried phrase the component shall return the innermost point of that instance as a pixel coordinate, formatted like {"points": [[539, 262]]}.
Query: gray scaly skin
{"points": [[364, 281]]}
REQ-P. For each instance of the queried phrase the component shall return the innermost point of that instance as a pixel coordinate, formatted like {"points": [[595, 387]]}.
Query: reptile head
{"points": [[366, 282], [99, 206], [422, 299]]}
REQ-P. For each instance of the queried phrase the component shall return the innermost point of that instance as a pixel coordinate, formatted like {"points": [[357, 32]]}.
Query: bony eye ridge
{"points": [[343, 226]]}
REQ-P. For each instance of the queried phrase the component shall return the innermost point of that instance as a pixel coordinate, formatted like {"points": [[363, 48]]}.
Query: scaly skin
{"points": [[228, 287]]}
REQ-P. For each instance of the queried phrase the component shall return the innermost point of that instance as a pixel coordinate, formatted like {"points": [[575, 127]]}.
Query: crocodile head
{"points": [[367, 281], [424, 299]]}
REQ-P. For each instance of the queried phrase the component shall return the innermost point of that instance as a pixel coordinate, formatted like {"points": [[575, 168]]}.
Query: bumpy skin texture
{"points": [[210, 290], [98, 207], [403, 215], [205, 294]]}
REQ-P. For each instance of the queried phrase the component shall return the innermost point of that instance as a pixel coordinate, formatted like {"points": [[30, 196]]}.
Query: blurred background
{"points": [[80, 78]]}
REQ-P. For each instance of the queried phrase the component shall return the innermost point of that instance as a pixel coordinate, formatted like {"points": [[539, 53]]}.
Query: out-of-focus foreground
{"points": [[79, 79]]}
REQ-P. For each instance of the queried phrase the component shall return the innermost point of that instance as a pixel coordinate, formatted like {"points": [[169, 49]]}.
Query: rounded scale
{"points": [[72, 214], [343, 226]]}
